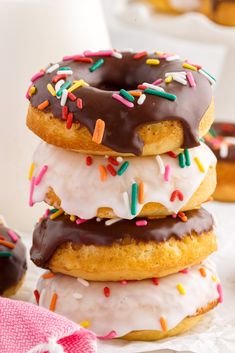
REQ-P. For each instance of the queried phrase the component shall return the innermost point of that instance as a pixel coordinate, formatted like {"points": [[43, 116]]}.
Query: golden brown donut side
{"points": [[202, 194], [131, 261], [11, 291], [225, 188], [185, 325], [158, 138]]}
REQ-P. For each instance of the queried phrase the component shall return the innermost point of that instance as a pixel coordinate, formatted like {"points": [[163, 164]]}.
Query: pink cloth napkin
{"points": [[27, 328]]}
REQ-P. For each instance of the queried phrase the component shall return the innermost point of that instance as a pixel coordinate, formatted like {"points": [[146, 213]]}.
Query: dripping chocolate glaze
{"points": [[14, 267], [50, 234], [223, 130], [122, 123]]}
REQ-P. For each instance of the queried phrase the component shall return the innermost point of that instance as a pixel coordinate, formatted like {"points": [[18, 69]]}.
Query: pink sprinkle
{"points": [[12, 235], [190, 79], [72, 57], [174, 215], [37, 75], [184, 271], [158, 81], [27, 96], [31, 203], [81, 220], [98, 53], [219, 289], [167, 172], [124, 282], [47, 212], [41, 174], [141, 223], [109, 336], [123, 100]]}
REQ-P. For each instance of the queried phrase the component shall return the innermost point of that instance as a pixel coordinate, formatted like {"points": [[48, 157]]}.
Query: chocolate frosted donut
{"points": [[121, 103], [221, 139], [12, 261], [105, 250]]}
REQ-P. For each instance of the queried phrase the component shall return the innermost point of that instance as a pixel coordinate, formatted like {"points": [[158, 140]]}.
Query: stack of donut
{"points": [[123, 165], [220, 11]]}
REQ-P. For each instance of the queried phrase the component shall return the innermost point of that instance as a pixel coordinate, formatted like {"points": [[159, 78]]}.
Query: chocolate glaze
{"points": [[50, 234], [222, 130], [12, 268], [122, 123]]}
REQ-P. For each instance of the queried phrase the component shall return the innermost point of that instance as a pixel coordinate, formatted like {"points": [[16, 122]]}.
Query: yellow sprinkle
{"points": [[159, 52], [50, 88], [152, 62], [56, 214], [168, 79], [214, 278], [188, 66], [32, 91], [199, 164], [85, 324], [72, 218], [31, 170], [77, 84], [181, 289]]}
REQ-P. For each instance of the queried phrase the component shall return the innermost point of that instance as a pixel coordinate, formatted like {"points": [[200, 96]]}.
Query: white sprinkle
{"points": [[126, 200], [150, 85], [160, 164], [230, 139], [173, 58], [66, 72], [117, 55], [141, 99], [52, 68], [119, 159], [223, 150], [109, 222], [179, 73], [58, 85], [83, 282], [77, 295], [64, 97], [210, 79], [179, 79], [98, 219]]}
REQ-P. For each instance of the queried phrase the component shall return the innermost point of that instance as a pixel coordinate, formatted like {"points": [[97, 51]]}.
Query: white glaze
{"points": [[186, 5], [133, 306], [82, 192]]}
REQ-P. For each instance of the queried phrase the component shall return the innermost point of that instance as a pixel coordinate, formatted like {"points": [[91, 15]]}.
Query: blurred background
{"points": [[36, 32]]}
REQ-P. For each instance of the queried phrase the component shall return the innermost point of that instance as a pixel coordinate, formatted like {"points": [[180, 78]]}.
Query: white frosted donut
{"points": [[76, 183], [136, 305]]}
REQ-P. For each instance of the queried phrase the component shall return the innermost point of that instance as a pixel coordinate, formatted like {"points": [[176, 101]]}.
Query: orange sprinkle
{"points": [[7, 244], [163, 324], [43, 105], [202, 272], [103, 173], [141, 192], [48, 275], [53, 302], [135, 93], [98, 131]]}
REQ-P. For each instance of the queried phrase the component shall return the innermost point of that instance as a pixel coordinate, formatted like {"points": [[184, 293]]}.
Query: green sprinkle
{"points": [[201, 139], [187, 157], [134, 198], [65, 68], [96, 65], [206, 72], [123, 168], [126, 95], [212, 132], [181, 160], [66, 85], [5, 254], [166, 95]]}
